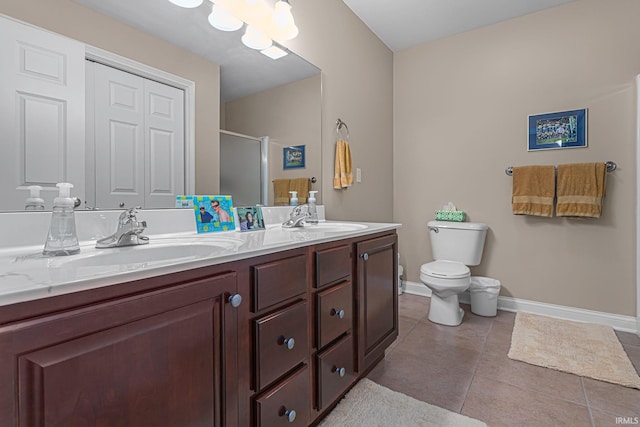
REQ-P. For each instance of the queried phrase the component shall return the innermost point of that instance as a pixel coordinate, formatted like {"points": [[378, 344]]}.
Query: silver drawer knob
{"points": [[365, 256], [339, 313], [291, 415], [235, 300], [339, 371], [289, 342]]}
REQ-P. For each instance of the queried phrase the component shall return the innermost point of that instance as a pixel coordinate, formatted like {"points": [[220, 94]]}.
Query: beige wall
{"points": [[460, 110], [78, 22], [357, 86], [289, 115]]}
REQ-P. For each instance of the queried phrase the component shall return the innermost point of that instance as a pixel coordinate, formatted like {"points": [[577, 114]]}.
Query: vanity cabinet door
{"points": [[377, 298], [166, 357]]}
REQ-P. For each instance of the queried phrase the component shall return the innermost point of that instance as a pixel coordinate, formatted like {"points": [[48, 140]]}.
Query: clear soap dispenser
{"points": [[62, 238], [34, 202], [293, 201], [313, 210]]}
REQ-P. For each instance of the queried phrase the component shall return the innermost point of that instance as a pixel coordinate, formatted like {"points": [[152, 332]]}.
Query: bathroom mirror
{"points": [[248, 79]]}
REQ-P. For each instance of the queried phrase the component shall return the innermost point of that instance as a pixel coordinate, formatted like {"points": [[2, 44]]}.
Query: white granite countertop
{"points": [[27, 275]]}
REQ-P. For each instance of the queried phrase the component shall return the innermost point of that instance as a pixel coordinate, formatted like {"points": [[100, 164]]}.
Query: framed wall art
{"points": [[563, 129], [293, 157]]}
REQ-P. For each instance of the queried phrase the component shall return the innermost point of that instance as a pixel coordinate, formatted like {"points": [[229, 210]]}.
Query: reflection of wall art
{"points": [[293, 157], [564, 129], [250, 218]]}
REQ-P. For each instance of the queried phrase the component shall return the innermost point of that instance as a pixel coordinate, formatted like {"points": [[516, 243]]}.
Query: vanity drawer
{"points": [[334, 313], [287, 403], [335, 371], [332, 265], [281, 343], [277, 281]]}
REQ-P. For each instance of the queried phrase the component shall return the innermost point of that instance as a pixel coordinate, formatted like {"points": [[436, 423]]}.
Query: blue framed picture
{"points": [[564, 129], [293, 157], [250, 218], [212, 213]]}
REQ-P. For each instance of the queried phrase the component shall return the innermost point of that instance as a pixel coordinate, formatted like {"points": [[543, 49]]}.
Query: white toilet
{"points": [[454, 245]]}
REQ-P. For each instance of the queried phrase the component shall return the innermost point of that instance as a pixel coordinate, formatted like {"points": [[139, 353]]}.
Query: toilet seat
{"points": [[443, 269]]}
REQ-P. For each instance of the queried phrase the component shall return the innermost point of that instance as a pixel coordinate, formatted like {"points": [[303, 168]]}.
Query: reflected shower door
{"points": [[243, 168]]}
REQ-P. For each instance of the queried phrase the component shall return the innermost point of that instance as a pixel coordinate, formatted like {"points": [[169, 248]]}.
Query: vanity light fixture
{"points": [[187, 3], [265, 24]]}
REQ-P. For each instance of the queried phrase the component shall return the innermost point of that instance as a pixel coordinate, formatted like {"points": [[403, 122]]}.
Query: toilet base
{"points": [[445, 311]]}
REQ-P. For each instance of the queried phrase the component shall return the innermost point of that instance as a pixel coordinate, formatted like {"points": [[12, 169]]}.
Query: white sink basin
{"points": [[150, 254], [330, 227]]}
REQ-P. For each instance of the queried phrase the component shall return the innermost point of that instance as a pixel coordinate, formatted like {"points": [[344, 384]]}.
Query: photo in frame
{"points": [[563, 129], [249, 218], [212, 213], [293, 157]]}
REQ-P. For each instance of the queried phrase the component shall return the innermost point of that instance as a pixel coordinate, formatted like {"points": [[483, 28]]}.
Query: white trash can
{"points": [[484, 295]]}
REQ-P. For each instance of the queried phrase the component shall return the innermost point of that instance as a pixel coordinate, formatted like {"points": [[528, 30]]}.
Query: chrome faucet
{"points": [[128, 232], [297, 218]]}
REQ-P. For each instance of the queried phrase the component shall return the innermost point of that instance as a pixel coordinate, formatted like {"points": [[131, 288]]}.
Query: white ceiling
{"points": [[243, 71], [404, 23]]}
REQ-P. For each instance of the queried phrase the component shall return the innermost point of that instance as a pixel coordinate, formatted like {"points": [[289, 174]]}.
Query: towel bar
{"points": [[611, 166]]}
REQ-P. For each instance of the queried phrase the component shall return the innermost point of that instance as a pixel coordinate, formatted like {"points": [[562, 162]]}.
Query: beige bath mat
{"points": [[371, 405], [584, 349]]}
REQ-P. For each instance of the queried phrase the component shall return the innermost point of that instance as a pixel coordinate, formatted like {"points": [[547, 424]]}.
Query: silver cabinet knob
{"points": [[122, 204], [289, 343], [365, 256], [235, 300], [291, 415], [339, 313], [340, 371]]}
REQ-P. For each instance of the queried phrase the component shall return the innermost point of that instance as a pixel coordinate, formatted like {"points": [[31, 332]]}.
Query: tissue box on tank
{"points": [[457, 216]]}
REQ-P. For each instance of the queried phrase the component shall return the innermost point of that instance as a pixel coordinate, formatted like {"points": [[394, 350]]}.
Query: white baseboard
{"points": [[616, 321]]}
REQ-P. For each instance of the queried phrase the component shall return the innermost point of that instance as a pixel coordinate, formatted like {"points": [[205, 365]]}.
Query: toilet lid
{"points": [[447, 269]]}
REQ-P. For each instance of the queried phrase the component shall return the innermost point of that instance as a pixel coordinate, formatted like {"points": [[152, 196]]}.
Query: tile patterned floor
{"points": [[466, 370]]}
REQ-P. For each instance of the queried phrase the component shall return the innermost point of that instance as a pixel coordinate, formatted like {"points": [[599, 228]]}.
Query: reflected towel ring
{"points": [[339, 125]]}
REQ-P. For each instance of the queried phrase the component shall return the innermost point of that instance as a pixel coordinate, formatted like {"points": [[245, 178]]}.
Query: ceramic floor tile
{"points": [[499, 404], [561, 385], [612, 398], [471, 333], [633, 352], [605, 419], [441, 383], [413, 306], [627, 338]]}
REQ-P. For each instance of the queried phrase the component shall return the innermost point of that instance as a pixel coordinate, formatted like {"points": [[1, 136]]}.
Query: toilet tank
{"points": [[457, 241]]}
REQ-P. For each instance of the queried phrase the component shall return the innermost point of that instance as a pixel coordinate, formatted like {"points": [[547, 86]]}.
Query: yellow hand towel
{"points": [[343, 176], [302, 186], [533, 190], [281, 192], [581, 187]]}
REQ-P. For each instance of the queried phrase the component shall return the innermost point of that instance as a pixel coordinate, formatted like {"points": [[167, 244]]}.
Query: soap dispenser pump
{"points": [[34, 202], [313, 210], [293, 201], [62, 238]]}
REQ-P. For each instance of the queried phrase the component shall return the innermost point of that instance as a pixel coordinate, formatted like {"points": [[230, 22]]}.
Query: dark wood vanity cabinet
{"points": [[165, 357], [176, 350], [377, 298]]}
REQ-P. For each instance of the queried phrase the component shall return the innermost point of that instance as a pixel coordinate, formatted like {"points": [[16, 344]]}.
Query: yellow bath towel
{"points": [[302, 186], [281, 192], [533, 190], [343, 177], [581, 187]]}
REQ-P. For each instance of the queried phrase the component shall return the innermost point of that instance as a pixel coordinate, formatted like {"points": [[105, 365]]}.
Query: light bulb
{"points": [[283, 26], [223, 20], [187, 3], [256, 39], [282, 16]]}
